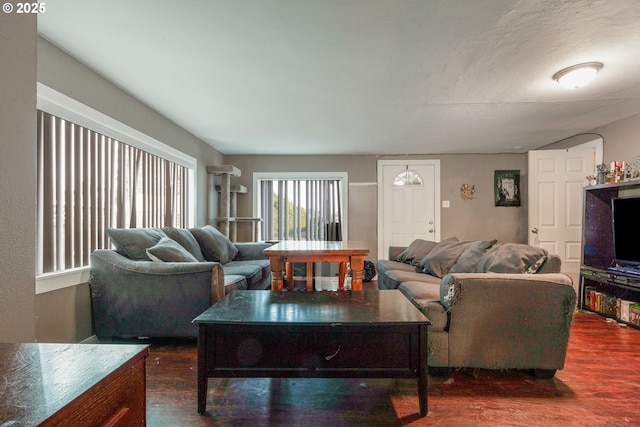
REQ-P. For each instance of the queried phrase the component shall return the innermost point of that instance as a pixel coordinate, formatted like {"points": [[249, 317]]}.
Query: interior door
{"points": [[556, 178], [408, 202]]}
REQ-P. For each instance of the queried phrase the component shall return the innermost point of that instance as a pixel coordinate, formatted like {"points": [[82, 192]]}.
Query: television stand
{"points": [[632, 271], [606, 289]]}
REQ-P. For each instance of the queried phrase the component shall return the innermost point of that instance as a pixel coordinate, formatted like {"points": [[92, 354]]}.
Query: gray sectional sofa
{"points": [[156, 281], [492, 305]]}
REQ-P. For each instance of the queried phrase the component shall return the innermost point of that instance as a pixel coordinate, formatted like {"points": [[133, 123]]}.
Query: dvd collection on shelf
{"points": [[621, 309]]}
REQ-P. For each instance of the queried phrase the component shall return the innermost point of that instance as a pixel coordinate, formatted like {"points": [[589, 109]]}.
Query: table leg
{"points": [[202, 373], [342, 272], [357, 265], [289, 274], [309, 276], [276, 265], [422, 376]]}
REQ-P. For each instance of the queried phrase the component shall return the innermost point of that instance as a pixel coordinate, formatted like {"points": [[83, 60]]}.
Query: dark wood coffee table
{"points": [[326, 334]]}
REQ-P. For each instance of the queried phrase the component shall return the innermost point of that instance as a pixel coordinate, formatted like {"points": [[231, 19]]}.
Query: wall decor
{"points": [[507, 187], [632, 171], [466, 191]]}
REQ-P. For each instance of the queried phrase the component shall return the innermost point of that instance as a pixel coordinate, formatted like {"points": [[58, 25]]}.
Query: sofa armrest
{"points": [[490, 286], [251, 250], [525, 317], [111, 260], [145, 298]]}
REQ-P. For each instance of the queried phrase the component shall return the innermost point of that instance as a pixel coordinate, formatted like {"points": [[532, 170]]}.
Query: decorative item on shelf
{"points": [[466, 192], [592, 179], [507, 187], [602, 174], [616, 172], [632, 169]]}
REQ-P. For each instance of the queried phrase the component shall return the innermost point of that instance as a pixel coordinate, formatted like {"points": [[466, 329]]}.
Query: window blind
{"points": [[88, 182]]}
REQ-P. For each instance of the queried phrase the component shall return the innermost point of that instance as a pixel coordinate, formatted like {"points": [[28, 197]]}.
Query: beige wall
{"points": [[64, 315], [621, 139], [17, 176], [477, 218]]}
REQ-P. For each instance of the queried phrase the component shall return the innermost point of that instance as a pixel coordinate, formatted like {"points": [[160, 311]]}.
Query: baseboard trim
{"points": [[93, 339]]}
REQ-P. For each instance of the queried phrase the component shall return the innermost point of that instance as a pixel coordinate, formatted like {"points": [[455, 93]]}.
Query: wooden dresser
{"points": [[72, 384]]}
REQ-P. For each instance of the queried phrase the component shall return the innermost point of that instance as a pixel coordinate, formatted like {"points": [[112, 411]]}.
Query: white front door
{"points": [[408, 202], [556, 179]]}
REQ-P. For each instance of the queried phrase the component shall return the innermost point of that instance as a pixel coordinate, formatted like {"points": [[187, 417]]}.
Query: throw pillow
{"points": [[215, 246], [186, 239], [439, 261], [168, 250], [510, 258], [416, 251], [133, 242], [471, 255], [533, 268]]}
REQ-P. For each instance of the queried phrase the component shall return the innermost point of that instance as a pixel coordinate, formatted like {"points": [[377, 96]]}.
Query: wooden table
{"points": [[72, 384], [332, 334], [282, 254]]}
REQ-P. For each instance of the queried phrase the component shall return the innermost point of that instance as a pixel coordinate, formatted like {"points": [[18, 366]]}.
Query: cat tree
{"points": [[228, 218]]}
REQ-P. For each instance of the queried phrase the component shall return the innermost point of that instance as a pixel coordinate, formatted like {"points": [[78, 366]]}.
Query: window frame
{"points": [[58, 104], [343, 177]]}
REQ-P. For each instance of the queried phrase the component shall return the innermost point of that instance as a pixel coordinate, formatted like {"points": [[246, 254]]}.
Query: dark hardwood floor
{"points": [[600, 386]]}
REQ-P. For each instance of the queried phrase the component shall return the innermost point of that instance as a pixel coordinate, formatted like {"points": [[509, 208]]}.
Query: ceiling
{"points": [[362, 76]]}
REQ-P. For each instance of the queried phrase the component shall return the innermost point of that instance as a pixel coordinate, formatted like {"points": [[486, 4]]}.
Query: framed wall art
{"points": [[507, 187]]}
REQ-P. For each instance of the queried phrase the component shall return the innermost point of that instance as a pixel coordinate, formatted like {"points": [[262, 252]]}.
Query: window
{"points": [[407, 178], [307, 207], [88, 181]]}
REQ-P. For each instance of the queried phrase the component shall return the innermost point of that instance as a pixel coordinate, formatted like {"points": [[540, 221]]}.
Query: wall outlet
{"points": [[445, 204]]}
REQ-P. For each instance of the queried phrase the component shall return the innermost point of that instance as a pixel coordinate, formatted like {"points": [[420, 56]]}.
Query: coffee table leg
{"points": [[202, 372], [422, 377]]}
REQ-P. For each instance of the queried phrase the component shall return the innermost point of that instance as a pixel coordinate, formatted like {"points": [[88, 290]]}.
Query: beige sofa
{"points": [[492, 305]]}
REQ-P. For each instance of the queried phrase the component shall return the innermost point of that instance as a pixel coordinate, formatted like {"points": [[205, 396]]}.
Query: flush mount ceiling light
{"points": [[577, 75]]}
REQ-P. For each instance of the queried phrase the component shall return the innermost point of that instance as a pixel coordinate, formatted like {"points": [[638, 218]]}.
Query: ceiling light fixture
{"points": [[577, 75]]}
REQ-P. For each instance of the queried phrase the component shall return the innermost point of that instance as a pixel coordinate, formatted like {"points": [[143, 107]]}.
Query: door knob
{"points": [[534, 230]]}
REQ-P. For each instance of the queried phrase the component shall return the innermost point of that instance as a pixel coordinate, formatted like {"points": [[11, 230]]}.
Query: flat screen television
{"points": [[626, 230]]}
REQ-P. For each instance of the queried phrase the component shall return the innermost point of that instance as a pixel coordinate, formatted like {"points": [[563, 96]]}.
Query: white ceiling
{"points": [[362, 76]]}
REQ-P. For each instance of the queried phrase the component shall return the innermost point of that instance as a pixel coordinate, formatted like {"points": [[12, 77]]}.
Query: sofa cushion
{"points": [[395, 277], [439, 261], [133, 242], [511, 258], [426, 296], [186, 239], [215, 246], [471, 255], [250, 250], [168, 250], [253, 270], [384, 266], [234, 282], [416, 251]]}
